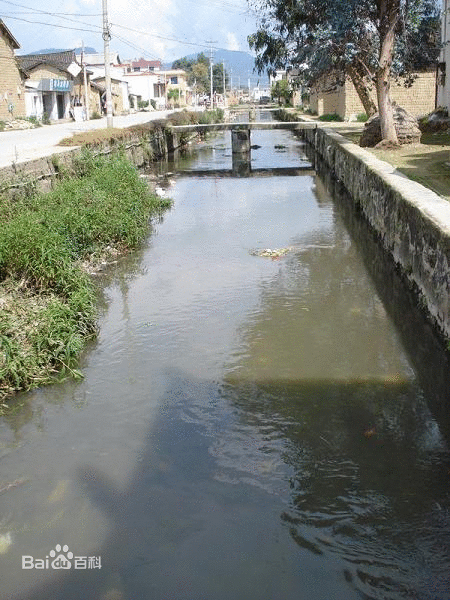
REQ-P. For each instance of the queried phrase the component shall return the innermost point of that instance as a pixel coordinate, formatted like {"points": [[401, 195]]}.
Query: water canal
{"points": [[248, 428]]}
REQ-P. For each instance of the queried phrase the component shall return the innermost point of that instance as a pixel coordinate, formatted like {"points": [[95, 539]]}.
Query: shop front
{"points": [[48, 97]]}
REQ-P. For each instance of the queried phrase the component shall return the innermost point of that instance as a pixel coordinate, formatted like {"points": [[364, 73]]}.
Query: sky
{"points": [[153, 29]]}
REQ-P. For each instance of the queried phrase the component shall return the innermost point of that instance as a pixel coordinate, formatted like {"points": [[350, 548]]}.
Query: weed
{"points": [[35, 121], [47, 302]]}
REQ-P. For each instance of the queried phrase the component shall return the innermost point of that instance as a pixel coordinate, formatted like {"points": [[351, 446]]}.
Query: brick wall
{"points": [[326, 99], [48, 72], [10, 83], [418, 99], [93, 96], [116, 96]]}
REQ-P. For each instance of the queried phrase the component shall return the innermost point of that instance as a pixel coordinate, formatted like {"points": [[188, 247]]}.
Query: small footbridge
{"points": [[240, 135], [240, 132]]}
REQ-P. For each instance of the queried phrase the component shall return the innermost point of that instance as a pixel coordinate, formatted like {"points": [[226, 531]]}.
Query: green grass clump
{"points": [[46, 299], [211, 116], [330, 117]]}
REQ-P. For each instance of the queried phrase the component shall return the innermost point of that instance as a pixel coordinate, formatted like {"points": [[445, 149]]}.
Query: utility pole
{"points": [[86, 93], [224, 90], [106, 40], [211, 69]]}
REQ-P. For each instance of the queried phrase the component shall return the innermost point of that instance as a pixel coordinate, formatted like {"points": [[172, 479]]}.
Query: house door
{"points": [[48, 104], [60, 105]]}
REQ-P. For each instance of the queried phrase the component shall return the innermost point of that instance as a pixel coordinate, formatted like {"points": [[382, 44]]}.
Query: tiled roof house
{"points": [[50, 81]]}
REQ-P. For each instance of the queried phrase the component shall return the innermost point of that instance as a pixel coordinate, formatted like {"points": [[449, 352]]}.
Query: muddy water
{"points": [[247, 427]]}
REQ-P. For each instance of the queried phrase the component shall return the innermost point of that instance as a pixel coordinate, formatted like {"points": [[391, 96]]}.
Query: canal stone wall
{"points": [[40, 174], [412, 222]]}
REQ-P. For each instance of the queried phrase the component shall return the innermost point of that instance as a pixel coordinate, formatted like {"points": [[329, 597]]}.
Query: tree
{"points": [[199, 73], [367, 40], [282, 91], [174, 95], [218, 72], [197, 70]]}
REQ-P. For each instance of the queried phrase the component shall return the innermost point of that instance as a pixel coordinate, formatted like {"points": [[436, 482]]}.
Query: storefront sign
{"points": [[56, 85]]}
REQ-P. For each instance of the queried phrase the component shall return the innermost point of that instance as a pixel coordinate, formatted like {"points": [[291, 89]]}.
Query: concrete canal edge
{"points": [[411, 221], [141, 149]]}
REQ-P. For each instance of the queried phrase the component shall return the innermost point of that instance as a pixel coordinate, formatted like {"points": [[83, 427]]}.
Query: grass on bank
{"points": [[47, 300], [427, 163]]}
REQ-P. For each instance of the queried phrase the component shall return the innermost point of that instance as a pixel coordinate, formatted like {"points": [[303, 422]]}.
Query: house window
{"points": [[174, 80]]}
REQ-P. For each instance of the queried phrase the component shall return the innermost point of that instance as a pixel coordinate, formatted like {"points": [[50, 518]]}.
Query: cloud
{"points": [[143, 26], [232, 43]]}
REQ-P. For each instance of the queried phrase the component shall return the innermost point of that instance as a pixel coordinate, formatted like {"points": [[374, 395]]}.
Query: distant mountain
{"points": [[87, 50], [238, 65]]}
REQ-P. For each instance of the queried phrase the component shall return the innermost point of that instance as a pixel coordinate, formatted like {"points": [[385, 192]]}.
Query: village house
{"points": [[98, 59], [141, 65], [328, 98], [12, 91], [49, 84], [122, 99], [164, 88]]}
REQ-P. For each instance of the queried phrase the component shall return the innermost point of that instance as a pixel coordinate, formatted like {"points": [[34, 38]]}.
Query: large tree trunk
{"points": [[363, 91], [389, 13]]}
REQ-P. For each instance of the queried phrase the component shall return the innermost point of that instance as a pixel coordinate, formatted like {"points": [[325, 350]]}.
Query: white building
{"points": [[157, 85]]}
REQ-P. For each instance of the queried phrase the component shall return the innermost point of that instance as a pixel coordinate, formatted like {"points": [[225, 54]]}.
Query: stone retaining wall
{"points": [[412, 222], [42, 172]]}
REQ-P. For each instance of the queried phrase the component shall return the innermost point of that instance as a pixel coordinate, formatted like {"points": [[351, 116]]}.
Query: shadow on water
{"points": [[425, 349], [349, 472]]}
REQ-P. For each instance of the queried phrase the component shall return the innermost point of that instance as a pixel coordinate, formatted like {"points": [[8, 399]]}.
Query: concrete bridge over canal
{"points": [[241, 136]]}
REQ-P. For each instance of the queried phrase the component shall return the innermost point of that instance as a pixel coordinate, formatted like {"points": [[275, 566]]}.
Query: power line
{"points": [[131, 45], [45, 12], [58, 14], [58, 26], [171, 39], [162, 37], [97, 29]]}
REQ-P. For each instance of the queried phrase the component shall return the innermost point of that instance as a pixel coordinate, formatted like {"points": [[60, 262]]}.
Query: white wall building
{"points": [[155, 85]]}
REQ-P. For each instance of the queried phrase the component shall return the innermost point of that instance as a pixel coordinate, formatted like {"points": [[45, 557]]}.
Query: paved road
{"points": [[28, 144]]}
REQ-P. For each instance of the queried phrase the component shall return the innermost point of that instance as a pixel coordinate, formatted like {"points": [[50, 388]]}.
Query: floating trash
{"points": [[274, 253], [5, 542]]}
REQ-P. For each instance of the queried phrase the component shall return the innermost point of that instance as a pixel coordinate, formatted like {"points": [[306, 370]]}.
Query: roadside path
{"points": [[18, 146]]}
